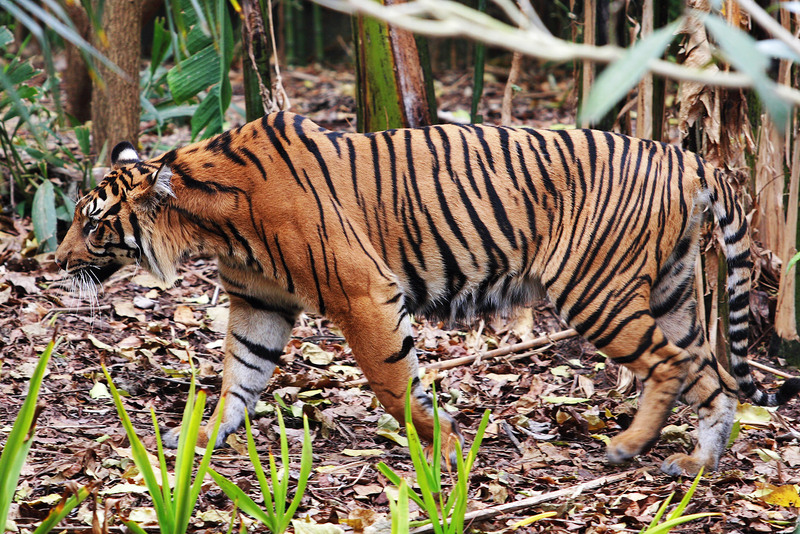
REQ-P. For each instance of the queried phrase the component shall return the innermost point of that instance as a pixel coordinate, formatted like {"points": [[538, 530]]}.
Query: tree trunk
{"points": [[392, 91], [115, 101], [77, 83]]}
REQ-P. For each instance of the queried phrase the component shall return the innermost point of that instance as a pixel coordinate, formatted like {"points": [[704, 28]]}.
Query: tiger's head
{"points": [[113, 224]]}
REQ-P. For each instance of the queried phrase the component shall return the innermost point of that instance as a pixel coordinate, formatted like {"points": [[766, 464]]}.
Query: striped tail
{"points": [[733, 224]]}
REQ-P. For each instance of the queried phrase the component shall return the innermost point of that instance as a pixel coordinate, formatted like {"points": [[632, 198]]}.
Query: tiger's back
{"points": [[448, 221]]}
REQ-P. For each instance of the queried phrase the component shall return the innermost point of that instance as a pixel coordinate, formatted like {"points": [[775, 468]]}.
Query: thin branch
{"points": [[770, 24], [502, 351], [768, 369], [570, 492], [446, 18]]}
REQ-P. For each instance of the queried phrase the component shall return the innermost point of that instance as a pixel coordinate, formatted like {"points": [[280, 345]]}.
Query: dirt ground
{"points": [[551, 407]]}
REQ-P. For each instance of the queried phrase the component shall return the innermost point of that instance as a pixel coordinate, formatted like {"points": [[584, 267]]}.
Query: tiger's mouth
{"points": [[94, 273]]}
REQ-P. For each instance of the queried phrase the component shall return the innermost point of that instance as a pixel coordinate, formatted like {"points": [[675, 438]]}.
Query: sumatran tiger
{"points": [[446, 222]]}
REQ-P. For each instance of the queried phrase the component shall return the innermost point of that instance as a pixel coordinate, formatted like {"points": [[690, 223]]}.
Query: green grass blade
{"points": [[134, 527], [661, 510], [245, 503], [20, 438], [399, 510], [266, 492], [672, 523], [162, 460], [206, 460], [280, 503], [395, 479], [164, 512], [61, 510], [183, 471], [686, 498], [306, 459]]}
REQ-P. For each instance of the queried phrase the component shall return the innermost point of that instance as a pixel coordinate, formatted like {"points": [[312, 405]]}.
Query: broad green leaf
{"points": [[195, 74], [619, 77], [5, 36], [44, 216], [208, 116]]}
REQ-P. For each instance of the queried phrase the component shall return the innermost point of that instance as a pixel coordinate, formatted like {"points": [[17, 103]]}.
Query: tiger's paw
{"points": [[170, 438], [450, 450], [685, 464], [625, 446]]}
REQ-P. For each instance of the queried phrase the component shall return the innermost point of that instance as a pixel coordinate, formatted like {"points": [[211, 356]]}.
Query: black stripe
{"points": [[254, 159], [258, 350], [408, 344]]}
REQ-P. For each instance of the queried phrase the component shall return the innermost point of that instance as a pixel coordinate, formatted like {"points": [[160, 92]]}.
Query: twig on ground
{"points": [[570, 492], [502, 351], [768, 369], [510, 433]]}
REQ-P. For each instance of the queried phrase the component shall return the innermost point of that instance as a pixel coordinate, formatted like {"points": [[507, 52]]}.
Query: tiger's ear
{"points": [[154, 189], [123, 154]]}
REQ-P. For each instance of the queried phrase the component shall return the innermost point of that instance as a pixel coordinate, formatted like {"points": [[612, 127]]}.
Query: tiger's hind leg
{"points": [[709, 389], [620, 325], [260, 322]]}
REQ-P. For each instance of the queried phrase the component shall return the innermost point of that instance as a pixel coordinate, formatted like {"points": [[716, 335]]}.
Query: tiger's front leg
{"points": [[260, 322]]}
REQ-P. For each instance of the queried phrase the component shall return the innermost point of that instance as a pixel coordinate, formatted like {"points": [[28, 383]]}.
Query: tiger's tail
{"points": [[732, 222]]}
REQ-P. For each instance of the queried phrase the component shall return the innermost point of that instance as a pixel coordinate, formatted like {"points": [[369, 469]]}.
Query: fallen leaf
{"points": [[218, 319], [782, 496], [302, 527], [185, 316], [366, 490], [362, 452], [749, 414], [315, 354], [564, 400], [99, 391], [126, 308], [561, 370]]}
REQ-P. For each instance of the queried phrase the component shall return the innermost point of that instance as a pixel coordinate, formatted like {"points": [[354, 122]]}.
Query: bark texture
{"points": [[115, 100]]}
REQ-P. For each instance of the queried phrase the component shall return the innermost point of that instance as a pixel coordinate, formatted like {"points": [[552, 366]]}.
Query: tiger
{"points": [[447, 222]]}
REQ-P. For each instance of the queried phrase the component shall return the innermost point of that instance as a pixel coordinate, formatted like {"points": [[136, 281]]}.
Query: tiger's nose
{"points": [[61, 263]]}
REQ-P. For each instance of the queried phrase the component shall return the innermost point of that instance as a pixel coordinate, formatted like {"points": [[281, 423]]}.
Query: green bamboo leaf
{"points": [[160, 46], [619, 77], [60, 28], [742, 52], [44, 217], [208, 116]]}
